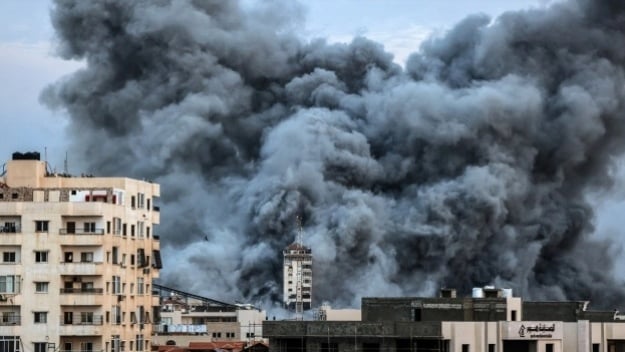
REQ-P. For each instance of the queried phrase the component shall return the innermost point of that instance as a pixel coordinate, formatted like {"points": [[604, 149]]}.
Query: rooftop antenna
{"points": [[65, 168], [298, 238]]}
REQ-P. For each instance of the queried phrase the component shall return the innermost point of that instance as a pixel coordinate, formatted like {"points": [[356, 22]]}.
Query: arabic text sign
{"points": [[532, 330]]}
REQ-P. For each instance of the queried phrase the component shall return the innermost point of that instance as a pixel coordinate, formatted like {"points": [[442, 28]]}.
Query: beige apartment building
{"points": [[77, 260]]}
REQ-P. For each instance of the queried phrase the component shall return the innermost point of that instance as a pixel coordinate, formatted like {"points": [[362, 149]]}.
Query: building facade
{"points": [[491, 321], [187, 318], [297, 276], [78, 256]]}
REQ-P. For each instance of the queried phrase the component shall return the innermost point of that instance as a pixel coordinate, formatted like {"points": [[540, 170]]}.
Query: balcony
{"points": [[84, 208], [10, 320], [81, 232], [80, 237], [78, 319], [10, 228], [80, 330], [85, 291], [81, 297], [81, 268]]}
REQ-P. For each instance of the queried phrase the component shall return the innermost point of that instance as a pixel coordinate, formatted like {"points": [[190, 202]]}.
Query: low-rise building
{"points": [[186, 318], [491, 320]]}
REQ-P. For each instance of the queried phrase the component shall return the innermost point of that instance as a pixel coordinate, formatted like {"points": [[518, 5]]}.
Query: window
{"points": [[140, 286], [9, 284], [116, 312], [115, 255], [229, 335], [115, 343], [122, 346], [140, 200], [513, 315], [68, 318], [41, 226], [41, 287], [41, 346], [117, 287], [41, 317], [491, 347], [8, 257], [86, 257], [86, 347], [41, 256], [132, 230], [108, 227], [117, 226], [9, 343], [216, 335], [139, 342], [10, 318], [595, 347], [465, 347], [416, 312], [549, 347], [86, 317], [249, 335], [69, 257], [132, 202], [71, 227], [89, 227], [140, 229], [67, 346]]}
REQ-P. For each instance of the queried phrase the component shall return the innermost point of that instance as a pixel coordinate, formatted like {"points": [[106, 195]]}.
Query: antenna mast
{"points": [[299, 302]]}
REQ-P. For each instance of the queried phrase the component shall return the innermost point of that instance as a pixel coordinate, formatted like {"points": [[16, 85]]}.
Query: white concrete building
{"points": [[188, 318], [297, 277], [78, 256]]}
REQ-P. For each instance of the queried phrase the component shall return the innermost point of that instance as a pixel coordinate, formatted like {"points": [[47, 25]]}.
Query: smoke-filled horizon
{"points": [[470, 166]]}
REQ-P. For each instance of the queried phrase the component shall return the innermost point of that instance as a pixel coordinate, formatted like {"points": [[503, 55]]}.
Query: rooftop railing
{"points": [[80, 232]]}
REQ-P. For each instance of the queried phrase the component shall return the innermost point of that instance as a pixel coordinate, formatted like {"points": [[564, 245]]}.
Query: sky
{"points": [[28, 63]]}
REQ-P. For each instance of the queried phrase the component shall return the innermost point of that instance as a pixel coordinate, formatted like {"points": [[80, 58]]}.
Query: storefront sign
{"points": [[532, 330]]}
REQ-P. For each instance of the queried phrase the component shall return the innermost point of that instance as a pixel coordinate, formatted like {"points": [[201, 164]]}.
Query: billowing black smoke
{"points": [[471, 166]]}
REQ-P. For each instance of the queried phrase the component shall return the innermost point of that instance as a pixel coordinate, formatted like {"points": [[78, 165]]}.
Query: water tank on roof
{"points": [[477, 292], [26, 156]]}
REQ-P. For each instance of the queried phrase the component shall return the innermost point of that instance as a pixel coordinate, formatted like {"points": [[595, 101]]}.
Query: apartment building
{"points": [[297, 277], [77, 259]]}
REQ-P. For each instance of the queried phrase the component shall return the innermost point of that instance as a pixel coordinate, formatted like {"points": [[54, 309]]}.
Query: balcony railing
{"points": [[17, 228], [81, 232], [92, 291], [10, 320], [77, 319]]}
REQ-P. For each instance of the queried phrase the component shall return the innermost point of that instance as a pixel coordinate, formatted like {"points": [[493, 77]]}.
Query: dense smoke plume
{"points": [[470, 166]]}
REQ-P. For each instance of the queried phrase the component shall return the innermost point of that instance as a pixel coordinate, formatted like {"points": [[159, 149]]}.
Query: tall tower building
{"points": [[297, 277], [77, 259]]}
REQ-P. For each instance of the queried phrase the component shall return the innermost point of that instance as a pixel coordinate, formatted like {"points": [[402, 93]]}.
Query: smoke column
{"points": [[470, 166]]}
